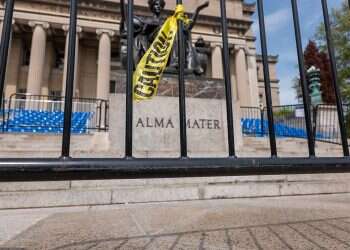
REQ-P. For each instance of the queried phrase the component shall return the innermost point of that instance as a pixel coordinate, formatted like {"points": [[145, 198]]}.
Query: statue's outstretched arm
{"points": [[196, 14], [138, 27], [138, 24]]}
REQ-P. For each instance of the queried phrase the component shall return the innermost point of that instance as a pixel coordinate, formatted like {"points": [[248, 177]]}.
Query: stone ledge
{"points": [[33, 186], [159, 190]]}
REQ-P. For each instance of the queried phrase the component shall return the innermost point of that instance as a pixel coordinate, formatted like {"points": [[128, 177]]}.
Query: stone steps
{"points": [[97, 145], [32, 145], [79, 193]]}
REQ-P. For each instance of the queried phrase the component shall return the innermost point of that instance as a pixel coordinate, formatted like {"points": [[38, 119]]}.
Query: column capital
{"points": [[110, 33], [33, 24], [66, 29], [215, 45], [244, 48]]}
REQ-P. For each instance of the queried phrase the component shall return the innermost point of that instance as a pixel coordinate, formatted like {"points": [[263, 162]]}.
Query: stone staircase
{"points": [[107, 192], [287, 147], [98, 145], [41, 145]]}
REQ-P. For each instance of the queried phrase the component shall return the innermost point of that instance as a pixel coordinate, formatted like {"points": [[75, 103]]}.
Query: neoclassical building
{"points": [[38, 53]]}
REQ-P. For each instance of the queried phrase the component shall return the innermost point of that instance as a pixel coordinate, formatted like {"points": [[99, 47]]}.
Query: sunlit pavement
{"points": [[303, 222]]}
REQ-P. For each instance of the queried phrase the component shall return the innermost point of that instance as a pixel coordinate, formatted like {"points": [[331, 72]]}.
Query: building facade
{"points": [[38, 53]]}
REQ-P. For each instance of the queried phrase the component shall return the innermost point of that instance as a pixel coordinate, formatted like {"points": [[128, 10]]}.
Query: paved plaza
{"points": [[303, 222]]}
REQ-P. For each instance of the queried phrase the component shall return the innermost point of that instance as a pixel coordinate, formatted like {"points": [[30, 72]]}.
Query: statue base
{"points": [[196, 86]]}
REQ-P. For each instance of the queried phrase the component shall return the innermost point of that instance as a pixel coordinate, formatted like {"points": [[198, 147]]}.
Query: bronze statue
{"points": [[146, 29]]}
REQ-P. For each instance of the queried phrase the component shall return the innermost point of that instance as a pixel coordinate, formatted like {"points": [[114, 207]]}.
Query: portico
{"points": [[38, 56]]}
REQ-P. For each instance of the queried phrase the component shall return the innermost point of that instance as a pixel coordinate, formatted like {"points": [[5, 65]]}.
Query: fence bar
{"points": [[267, 78], [85, 169], [303, 80], [68, 103], [227, 77], [5, 44], [339, 102], [129, 81], [182, 89]]}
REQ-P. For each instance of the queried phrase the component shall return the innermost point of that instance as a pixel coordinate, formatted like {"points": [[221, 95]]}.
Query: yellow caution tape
{"points": [[149, 71]]}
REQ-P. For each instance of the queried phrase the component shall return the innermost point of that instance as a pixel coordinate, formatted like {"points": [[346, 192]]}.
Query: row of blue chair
{"points": [[32, 121], [258, 128]]}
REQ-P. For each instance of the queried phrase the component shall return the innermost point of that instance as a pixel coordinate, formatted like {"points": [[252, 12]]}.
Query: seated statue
{"points": [[147, 28]]}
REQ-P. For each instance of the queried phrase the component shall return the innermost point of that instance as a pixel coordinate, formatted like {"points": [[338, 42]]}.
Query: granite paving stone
{"points": [[295, 222]]}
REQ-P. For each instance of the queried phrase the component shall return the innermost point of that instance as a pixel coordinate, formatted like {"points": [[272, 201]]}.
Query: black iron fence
{"points": [[325, 121], [290, 122], [128, 167], [26, 113]]}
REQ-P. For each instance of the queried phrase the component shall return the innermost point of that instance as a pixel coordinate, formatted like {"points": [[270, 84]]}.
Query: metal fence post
{"points": [[182, 90], [68, 103], [227, 78], [332, 59], [262, 121], [314, 122], [5, 44], [272, 134], [303, 80], [129, 81]]}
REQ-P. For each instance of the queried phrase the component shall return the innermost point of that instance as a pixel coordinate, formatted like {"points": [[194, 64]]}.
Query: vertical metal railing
{"points": [[339, 102], [5, 44], [227, 79], [264, 53], [67, 122], [303, 80], [66, 137], [129, 81], [182, 89]]}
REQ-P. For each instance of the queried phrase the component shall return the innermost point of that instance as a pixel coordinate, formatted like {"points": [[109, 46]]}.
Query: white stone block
{"points": [[305, 188], [33, 186], [150, 194], [241, 190]]}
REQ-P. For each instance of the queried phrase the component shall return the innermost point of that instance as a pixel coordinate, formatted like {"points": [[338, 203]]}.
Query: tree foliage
{"points": [[314, 57], [340, 25]]}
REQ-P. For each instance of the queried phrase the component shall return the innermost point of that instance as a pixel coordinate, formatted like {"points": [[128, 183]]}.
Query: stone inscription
{"points": [[167, 123]]}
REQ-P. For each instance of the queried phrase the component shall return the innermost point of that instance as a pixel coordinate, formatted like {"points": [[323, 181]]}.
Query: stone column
{"points": [[242, 77], [13, 61], [253, 80], [216, 61], [103, 67], [104, 63], [75, 90], [37, 57]]}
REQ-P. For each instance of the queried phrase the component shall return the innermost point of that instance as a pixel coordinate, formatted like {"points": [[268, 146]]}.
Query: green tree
{"points": [[314, 57], [340, 24]]}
